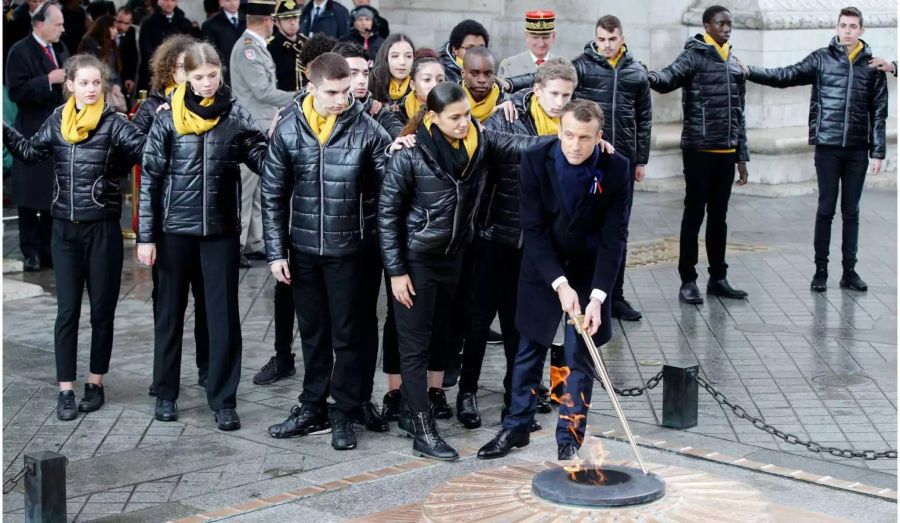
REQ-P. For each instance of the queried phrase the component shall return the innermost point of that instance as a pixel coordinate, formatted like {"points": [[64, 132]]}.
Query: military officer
{"points": [[287, 44], [540, 33], [254, 85]]}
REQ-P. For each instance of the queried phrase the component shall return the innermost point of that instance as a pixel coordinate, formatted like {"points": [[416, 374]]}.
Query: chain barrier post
{"points": [[45, 487], [680, 395]]}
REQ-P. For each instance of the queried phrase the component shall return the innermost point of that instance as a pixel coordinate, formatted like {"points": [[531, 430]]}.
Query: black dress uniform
{"points": [[288, 65]]}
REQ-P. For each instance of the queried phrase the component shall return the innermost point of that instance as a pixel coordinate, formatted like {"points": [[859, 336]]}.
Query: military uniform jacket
{"points": [[288, 65], [253, 80], [518, 64]]}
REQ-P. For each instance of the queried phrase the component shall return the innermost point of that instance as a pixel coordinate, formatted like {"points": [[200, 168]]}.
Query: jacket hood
{"points": [[590, 51], [837, 49], [448, 57]]}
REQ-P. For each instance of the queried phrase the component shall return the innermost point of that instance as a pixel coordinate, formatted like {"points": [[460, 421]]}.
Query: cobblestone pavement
{"points": [[820, 366]]}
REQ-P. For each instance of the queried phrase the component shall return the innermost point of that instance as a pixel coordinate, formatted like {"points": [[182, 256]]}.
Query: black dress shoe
{"points": [[227, 419], [244, 263], [851, 280], [440, 409], [256, 255], [534, 427], [623, 310], [427, 441], [93, 398], [166, 410], [494, 337], [152, 390], [723, 289], [451, 377], [274, 370], [689, 293], [370, 416], [503, 442], [390, 405], [65, 405], [467, 410], [302, 420], [342, 435], [566, 452], [31, 264], [820, 281]]}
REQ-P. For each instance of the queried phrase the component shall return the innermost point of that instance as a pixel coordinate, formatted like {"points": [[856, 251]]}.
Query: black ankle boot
{"points": [[851, 280], [820, 279], [427, 441], [440, 409], [390, 405], [65, 406], [467, 410]]}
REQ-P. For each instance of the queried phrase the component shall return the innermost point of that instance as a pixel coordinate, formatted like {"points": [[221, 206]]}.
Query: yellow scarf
{"points": [[398, 89], [485, 108], [185, 121], [721, 49], [470, 142], [458, 60], [855, 52], [321, 125], [76, 125], [170, 89], [411, 105], [615, 60], [545, 124]]}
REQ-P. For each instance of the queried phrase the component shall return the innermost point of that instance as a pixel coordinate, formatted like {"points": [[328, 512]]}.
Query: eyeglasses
{"points": [[467, 47]]}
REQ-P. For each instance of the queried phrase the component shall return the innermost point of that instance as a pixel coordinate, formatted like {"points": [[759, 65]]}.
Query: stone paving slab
{"points": [[817, 365]]}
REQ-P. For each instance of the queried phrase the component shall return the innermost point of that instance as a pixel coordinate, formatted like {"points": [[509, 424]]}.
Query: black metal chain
{"points": [[634, 391], [791, 438]]}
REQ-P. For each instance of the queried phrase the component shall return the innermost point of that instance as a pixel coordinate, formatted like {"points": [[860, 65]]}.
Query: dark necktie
{"points": [[234, 21]]}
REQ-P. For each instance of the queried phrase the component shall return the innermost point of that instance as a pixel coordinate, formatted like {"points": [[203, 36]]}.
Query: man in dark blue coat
{"points": [[325, 16], [34, 78], [574, 217]]}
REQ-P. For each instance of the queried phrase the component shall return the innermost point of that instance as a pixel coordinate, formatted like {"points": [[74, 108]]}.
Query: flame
{"points": [[590, 469], [558, 375]]}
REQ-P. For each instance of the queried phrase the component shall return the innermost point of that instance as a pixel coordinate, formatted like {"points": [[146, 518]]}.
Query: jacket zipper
{"points": [[487, 213], [703, 115], [728, 83], [613, 117], [203, 176], [455, 217], [321, 197], [362, 218], [72, 185], [847, 104]]}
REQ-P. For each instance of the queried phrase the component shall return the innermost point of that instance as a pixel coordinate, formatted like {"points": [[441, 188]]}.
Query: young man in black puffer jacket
{"points": [[847, 113], [713, 141], [323, 158]]}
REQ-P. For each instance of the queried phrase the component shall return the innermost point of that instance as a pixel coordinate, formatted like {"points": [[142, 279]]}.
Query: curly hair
{"points": [[317, 44], [80, 61], [165, 60]]}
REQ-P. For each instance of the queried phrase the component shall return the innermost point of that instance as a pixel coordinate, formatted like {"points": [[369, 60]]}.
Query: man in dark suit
{"points": [[223, 29], [167, 19], [574, 218], [325, 16], [34, 78], [126, 41]]}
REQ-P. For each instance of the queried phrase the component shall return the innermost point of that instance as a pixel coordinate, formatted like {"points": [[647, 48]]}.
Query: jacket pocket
{"points": [[56, 189], [97, 191]]}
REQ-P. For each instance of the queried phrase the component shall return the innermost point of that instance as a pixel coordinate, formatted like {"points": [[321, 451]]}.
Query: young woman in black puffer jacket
{"points": [[90, 143], [189, 220], [426, 219]]}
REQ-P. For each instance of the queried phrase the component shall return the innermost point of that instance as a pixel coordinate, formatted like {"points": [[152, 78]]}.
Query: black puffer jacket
{"points": [[712, 98], [624, 95], [849, 102], [424, 209], [86, 181], [191, 184], [386, 116], [498, 213], [146, 113], [321, 190], [452, 70]]}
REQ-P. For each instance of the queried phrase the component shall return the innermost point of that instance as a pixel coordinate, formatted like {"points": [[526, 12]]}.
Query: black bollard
{"points": [[45, 487], [680, 395]]}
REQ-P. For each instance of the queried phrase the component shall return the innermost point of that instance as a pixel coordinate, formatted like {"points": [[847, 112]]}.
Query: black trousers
{"points": [[215, 258], [370, 290], [841, 171], [390, 345], [284, 322], [35, 228], [618, 288], [708, 180], [424, 329], [493, 290], [201, 337], [460, 316], [86, 253], [326, 289]]}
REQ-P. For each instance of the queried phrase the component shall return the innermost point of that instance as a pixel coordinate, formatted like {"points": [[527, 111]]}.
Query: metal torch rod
{"points": [[578, 322]]}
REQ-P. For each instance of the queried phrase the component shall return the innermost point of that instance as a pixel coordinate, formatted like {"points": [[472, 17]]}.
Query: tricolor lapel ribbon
{"points": [[596, 188]]}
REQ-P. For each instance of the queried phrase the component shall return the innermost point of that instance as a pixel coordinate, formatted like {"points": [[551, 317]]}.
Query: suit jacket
{"points": [[556, 244], [30, 90], [154, 29], [128, 52], [334, 20], [220, 32], [253, 81], [16, 26], [516, 65]]}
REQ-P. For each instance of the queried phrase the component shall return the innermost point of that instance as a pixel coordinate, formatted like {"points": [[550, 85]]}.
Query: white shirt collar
{"points": [[40, 40], [259, 39], [534, 59]]}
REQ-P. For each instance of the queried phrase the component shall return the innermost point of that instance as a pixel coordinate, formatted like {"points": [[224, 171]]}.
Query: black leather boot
{"points": [[503, 442], [342, 435], [65, 405], [689, 293], [851, 280], [390, 405], [427, 441], [372, 419], [820, 279], [723, 289], [467, 410], [93, 398], [440, 409]]}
